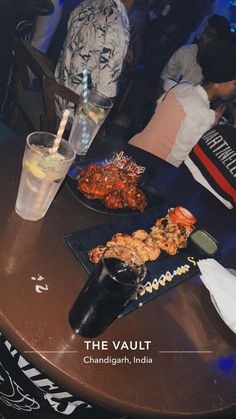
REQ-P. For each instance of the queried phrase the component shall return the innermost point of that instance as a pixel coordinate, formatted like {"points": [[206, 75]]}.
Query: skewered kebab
{"points": [[169, 234]]}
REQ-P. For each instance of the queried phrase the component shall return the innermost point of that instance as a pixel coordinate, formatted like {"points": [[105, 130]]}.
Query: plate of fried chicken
{"points": [[117, 186]]}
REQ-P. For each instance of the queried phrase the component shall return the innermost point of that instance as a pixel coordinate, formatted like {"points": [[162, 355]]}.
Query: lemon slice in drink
{"points": [[96, 116], [35, 170], [30, 186]]}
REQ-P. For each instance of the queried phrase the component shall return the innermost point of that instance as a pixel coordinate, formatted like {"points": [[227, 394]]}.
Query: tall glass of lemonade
{"points": [[42, 174]]}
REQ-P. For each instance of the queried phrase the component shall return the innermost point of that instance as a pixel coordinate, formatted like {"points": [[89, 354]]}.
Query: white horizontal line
{"points": [[185, 352], [51, 352]]}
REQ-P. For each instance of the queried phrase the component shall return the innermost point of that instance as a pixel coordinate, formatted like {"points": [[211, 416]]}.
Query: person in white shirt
{"points": [[183, 64], [98, 38]]}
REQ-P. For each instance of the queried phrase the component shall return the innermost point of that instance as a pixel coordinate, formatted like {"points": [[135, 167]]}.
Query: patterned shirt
{"points": [[97, 37]]}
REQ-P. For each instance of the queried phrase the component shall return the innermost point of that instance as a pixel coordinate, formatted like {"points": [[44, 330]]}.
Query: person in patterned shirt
{"points": [[98, 38]]}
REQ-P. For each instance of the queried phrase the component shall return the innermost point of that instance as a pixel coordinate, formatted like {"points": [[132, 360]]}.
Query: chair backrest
{"points": [[51, 89], [27, 57], [31, 66]]}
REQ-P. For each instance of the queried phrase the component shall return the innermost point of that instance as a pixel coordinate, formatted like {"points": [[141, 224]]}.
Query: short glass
{"points": [[42, 174], [113, 281], [87, 121]]}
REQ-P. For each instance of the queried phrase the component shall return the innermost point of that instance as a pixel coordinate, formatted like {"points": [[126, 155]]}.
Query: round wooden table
{"points": [[193, 368]]}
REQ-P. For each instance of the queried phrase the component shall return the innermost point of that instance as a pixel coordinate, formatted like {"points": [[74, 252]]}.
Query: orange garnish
{"points": [[182, 216]]}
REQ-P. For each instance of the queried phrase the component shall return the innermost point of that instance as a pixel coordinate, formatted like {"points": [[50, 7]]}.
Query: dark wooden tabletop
{"points": [[193, 371]]}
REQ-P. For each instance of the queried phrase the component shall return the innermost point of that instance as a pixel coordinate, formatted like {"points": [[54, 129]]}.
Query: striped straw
{"points": [[85, 84], [85, 136], [60, 132]]}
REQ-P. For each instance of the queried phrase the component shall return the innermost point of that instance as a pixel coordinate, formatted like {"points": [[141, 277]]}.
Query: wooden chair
{"points": [[50, 121], [36, 105], [28, 104]]}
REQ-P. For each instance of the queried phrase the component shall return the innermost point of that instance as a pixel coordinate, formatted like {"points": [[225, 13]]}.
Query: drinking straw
{"points": [[60, 131], [85, 136], [85, 84]]}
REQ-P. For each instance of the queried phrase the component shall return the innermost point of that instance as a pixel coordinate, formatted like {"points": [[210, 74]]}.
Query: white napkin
{"points": [[222, 287]]}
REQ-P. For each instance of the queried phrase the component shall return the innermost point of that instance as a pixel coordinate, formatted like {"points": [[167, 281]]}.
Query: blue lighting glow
{"points": [[233, 27], [225, 363]]}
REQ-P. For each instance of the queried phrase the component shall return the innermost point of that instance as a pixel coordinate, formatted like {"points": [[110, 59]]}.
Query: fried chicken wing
{"points": [[114, 200], [140, 234], [169, 236], [96, 253], [135, 198], [115, 183], [121, 240]]}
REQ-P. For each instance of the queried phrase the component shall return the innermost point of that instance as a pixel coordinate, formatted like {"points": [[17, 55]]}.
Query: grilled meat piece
{"points": [[115, 186]]}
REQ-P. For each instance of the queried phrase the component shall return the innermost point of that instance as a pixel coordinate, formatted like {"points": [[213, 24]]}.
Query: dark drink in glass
{"points": [[106, 292]]}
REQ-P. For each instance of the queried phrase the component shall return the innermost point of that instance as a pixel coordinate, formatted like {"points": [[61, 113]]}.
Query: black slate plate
{"points": [[162, 274], [153, 199]]}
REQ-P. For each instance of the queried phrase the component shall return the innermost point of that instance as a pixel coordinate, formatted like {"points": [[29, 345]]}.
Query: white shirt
{"points": [[98, 37], [183, 65], [199, 118], [181, 118]]}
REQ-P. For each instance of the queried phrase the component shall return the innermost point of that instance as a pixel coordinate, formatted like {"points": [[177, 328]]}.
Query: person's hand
{"points": [[219, 111]]}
